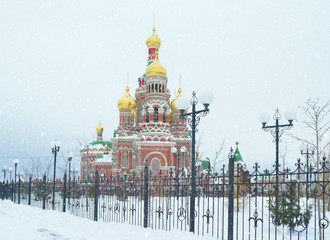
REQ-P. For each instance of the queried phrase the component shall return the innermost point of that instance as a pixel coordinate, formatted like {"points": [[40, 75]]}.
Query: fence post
{"points": [[64, 192], [19, 188], [96, 195], [231, 196], [145, 196], [1, 191], [30, 183], [44, 192], [12, 190], [7, 189]]}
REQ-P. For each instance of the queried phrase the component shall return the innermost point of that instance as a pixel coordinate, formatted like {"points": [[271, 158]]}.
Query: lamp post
{"points": [[193, 119], [55, 149], [276, 131], [19, 187], [69, 160], [179, 156], [16, 161], [10, 170], [4, 171]]}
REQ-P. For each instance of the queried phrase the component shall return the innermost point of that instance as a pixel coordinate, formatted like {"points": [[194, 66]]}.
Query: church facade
{"points": [[150, 129]]}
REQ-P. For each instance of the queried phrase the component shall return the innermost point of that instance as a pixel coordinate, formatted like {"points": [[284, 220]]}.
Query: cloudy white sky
{"points": [[64, 65]]}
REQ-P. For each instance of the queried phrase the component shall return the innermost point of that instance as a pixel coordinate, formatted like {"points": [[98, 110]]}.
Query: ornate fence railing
{"points": [[231, 205]]}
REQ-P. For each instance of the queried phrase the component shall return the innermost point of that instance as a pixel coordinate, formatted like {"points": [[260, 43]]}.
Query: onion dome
{"points": [[99, 128], [127, 102], [155, 68], [173, 107], [153, 40], [106, 147], [197, 153]]}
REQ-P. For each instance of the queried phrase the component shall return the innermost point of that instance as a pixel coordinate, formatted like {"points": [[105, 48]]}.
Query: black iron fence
{"points": [[235, 204]]}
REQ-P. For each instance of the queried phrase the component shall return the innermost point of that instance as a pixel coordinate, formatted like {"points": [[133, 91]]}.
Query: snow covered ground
{"points": [[26, 222]]}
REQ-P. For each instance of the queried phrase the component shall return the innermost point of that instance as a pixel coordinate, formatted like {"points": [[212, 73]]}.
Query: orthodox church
{"points": [[150, 129]]}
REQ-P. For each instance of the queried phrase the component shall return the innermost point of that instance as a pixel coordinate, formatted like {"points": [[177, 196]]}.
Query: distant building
{"points": [[202, 165]]}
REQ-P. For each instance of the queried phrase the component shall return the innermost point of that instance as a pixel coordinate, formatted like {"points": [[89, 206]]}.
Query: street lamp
{"points": [[16, 161], [193, 119], [4, 171], [70, 156], [19, 187], [10, 170], [55, 149], [276, 131], [179, 157]]}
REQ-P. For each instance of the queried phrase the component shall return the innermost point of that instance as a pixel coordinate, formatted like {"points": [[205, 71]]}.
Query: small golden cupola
{"points": [[99, 128], [153, 40], [173, 106], [127, 102], [155, 68]]}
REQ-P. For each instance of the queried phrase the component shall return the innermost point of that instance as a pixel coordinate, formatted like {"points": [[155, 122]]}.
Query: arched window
{"points": [[156, 87], [156, 115], [155, 166], [147, 118], [164, 116], [152, 88]]}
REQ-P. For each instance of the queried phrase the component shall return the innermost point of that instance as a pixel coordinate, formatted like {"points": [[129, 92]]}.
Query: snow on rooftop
{"points": [[104, 158]]}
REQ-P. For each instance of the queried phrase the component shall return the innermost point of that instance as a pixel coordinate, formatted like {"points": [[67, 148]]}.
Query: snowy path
{"points": [[25, 222]]}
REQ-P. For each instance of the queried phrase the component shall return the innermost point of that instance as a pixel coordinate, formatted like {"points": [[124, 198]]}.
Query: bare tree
{"points": [[318, 123], [283, 153], [49, 162], [36, 167], [218, 152], [200, 141]]}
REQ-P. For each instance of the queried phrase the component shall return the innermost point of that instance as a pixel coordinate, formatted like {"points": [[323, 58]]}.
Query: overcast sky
{"points": [[64, 65]]}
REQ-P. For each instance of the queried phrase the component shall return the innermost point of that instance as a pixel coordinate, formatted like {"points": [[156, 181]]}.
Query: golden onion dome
{"points": [[106, 146], [153, 40], [155, 68], [99, 128], [173, 106], [127, 102]]}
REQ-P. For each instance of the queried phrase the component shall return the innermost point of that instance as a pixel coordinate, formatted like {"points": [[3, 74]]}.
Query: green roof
{"points": [[238, 156], [205, 163], [102, 142]]}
